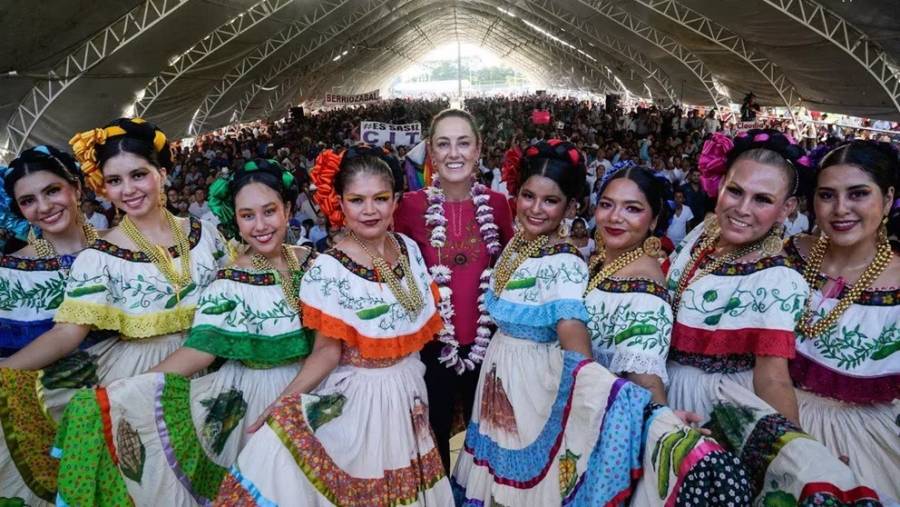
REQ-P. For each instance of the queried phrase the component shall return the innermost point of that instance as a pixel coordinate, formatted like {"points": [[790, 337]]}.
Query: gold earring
{"points": [[162, 200], [563, 230], [599, 246], [774, 242], [711, 225], [882, 231], [652, 247]]}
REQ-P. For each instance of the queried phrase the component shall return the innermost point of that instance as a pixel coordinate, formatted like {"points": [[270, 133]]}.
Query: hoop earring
{"points": [[652, 247]]}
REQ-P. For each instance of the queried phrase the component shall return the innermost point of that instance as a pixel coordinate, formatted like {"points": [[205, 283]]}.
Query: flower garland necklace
{"points": [[490, 234], [286, 280], [882, 258]]}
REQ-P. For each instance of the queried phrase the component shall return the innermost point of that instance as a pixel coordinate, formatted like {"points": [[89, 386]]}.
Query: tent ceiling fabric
{"points": [[195, 65]]}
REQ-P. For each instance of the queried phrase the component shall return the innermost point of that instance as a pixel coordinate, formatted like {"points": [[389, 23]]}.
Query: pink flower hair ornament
{"points": [[714, 162]]}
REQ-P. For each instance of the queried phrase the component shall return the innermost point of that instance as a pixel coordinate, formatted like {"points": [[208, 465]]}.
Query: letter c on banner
{"points": [[371, 137]]}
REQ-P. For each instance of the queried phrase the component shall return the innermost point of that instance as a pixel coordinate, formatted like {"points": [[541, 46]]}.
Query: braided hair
{"points": [[769, 147], [41, 158], [141, 138], [880, 161], [558, 160]]}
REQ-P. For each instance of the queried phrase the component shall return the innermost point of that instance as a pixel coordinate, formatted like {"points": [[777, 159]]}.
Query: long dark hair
{"points": [[37, 159]]}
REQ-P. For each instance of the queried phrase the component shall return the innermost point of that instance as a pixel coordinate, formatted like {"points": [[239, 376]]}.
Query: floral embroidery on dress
{"points": [[364, 272], [138, 256]]}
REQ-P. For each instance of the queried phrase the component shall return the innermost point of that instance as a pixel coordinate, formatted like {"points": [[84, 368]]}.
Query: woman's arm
{"points": [[56, 343], [185, 361], [651, 383], [772, 383], [574, 336], [323, 359]]}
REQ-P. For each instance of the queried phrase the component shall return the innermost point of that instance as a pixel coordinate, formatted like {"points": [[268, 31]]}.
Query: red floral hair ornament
{"points": [[509, 171], [326, 168]]}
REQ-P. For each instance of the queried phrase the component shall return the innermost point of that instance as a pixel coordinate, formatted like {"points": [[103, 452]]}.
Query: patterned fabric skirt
{"points": [[162, 439], [869, 435], [32, 403], [786, 466], [548, 428], [360, 439]]}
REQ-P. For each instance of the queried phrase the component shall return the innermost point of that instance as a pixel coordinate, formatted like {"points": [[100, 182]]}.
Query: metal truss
{"points": [[382, 61], [734, 43], [315, 69], [106, 42], [331, 33], [519, 36], [270, 47], [665, 43], [209, 44], [635, 57], [849, 39]]}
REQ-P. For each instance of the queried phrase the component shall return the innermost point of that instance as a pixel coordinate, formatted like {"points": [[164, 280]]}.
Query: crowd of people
{"points": [[642, 308]]}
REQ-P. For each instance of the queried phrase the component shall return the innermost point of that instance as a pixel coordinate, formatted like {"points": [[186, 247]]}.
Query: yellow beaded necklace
{"points": [[159, 255], [411, 298], [614, 266], [883, 254], [513, 256], [288, 287]]}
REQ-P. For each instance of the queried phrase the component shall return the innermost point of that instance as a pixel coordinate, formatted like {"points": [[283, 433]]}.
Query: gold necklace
{"points": [[814, 262], [160, 255], [411, 298], [513, 256], [614, 266], [288, 286], [44, 249], [707, 244]]}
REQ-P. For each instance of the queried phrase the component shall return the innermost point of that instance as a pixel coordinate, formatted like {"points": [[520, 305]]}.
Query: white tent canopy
{"points": [[194, 65]]}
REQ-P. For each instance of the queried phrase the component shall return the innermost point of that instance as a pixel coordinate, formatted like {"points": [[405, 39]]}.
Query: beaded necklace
{"points": [[160, 255], [611, 268], [883, 254], [410, 298], [518, 251], [287, 282]]}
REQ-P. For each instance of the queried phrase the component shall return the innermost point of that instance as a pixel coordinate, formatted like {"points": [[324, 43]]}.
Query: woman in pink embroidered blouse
{"points": [[470, 223]]}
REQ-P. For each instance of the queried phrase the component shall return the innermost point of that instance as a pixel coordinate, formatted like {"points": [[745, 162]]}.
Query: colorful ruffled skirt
{"points": [[32, 404], [162, 439], [552, 427], [360, 439], [868, 435], [786, 465]]}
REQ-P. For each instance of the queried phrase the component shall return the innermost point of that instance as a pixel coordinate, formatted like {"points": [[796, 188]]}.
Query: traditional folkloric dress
{"points": [[848, 381], [549, 426], [630, 324], [108, 289], [30, 292], [361, 438], [175, 438], [724, 320]]}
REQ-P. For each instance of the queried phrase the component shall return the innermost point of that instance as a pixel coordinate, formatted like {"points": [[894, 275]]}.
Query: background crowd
{"points": [[667, 141]]}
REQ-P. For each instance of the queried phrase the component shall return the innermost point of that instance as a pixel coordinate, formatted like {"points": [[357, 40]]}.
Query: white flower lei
{"points": [[490, 233]]}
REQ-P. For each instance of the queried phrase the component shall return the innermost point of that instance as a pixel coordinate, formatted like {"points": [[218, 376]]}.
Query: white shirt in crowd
{"points": [[99, 221], [796, 226], [678, 228]]}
